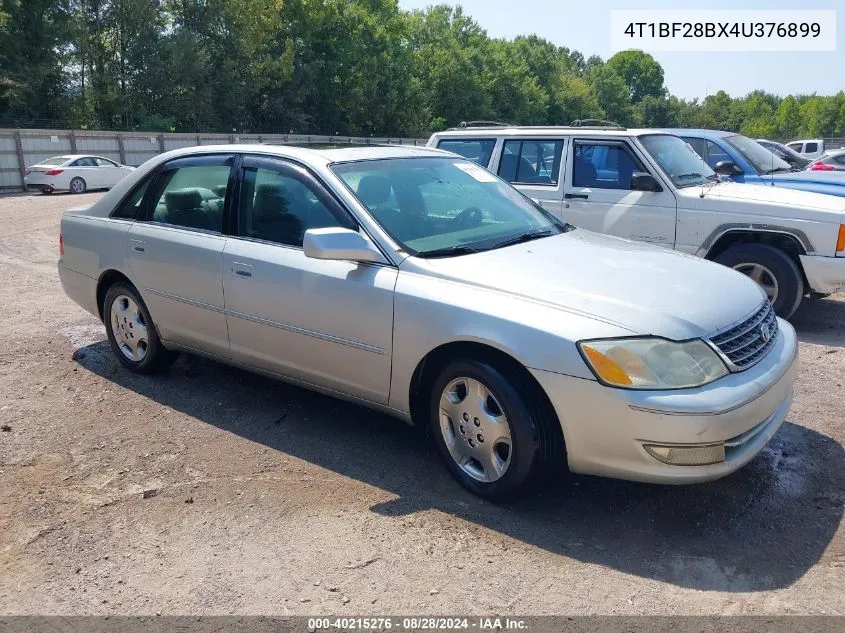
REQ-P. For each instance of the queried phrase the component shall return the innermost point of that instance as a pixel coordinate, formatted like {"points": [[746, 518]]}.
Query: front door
{"points": [[175, 253], [326, 322], [598, 195]]}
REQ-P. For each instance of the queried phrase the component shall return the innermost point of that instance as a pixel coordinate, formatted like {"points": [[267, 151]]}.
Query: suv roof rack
{"points": [[588, 124], [599, 124]]}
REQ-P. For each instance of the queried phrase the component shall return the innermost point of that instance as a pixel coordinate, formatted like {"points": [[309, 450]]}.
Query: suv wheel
{"points": [[775, 271], [486, 432]]}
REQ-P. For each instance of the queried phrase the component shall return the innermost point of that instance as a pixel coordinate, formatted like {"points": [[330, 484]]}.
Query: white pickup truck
{"points": [[651, 186]]}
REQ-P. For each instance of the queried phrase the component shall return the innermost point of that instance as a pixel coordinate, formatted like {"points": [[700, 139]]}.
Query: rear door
{"points": [[175, 252], [598, 195], [534, 165]]}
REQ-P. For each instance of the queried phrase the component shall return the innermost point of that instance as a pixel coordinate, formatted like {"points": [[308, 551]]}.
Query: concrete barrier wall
{"points": [[22, 148]]}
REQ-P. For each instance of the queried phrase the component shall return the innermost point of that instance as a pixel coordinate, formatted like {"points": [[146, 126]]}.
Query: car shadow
{"points": [[821, 321], [759, 529]]}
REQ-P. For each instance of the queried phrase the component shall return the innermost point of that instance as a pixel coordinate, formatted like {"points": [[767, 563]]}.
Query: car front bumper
{"points": [[825, 275], [606, 429]]}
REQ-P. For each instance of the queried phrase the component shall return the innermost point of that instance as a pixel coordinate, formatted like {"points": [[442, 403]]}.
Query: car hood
{"points": [[781, 201], [827, 182], [643, 289]]}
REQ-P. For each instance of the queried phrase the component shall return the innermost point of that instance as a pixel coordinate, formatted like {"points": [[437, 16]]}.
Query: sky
{"points": [[584, 25]]}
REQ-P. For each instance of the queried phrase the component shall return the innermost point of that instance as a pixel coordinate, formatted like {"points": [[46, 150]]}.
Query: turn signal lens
{"points": [[53, 172], [840, 242], [606, 367], [687, 455], [61, 245]]}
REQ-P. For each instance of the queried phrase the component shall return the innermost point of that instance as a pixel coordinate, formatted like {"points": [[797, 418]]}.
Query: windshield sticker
{"points": [[479, 173]]}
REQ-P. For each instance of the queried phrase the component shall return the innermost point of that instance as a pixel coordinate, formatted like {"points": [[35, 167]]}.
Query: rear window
{"points": [[477, 150], [56, 160]]}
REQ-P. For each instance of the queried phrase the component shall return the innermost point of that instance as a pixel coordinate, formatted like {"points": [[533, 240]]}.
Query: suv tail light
{"points": [[820, 166], [53, 172], [61, 245], [840, 241]]}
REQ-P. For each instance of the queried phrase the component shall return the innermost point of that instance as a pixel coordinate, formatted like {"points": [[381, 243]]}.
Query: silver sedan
{"points": [[415, 282]]}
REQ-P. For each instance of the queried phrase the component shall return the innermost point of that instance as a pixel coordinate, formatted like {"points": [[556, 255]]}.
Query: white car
{"points": [[809, 148], [651, 186], [76, 173]]}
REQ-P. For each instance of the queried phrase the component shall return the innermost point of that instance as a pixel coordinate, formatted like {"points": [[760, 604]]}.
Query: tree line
{"points": [[350, 67]]}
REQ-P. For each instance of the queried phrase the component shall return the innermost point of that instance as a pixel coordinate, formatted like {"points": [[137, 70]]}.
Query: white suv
{"points": [[651, 186]]}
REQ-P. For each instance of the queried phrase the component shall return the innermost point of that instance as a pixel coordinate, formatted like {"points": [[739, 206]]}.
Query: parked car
{"points": [[831, 161], [417, 283], [744, 160], [649, 186], [810, 148], [785, 153], [76, 173]]}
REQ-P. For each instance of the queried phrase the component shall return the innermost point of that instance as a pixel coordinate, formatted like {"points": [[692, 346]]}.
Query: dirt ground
{"points": [[273, 500]]}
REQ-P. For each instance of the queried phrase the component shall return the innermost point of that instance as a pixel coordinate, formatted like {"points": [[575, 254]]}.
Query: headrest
{"points": [[374, 190], [182, 199]]}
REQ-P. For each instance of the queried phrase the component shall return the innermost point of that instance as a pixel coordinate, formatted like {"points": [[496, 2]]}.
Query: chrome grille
{"points": [[744, 344]]}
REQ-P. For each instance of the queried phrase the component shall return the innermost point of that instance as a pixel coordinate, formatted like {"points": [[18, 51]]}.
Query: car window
{"points": [[603, 165], [699, 145], [83, 162], [192, 197], [56, 160], [762, 160], [531, 161], [279, 208], [840, 159], [715, 154], [477, 150], [795, 146], [102, 162], [811, 147], [130, 208], [444, 206]]}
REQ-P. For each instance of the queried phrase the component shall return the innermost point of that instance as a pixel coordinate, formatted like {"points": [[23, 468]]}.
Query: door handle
{"points": [[240, 269], [580, 196], [139, 246]]}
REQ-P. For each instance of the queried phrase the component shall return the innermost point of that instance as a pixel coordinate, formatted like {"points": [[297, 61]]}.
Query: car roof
{"points": [[704, 133], [542, 130], [316, 155]]}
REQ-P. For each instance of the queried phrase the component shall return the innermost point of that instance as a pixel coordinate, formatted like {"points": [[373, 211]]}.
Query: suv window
{"points": [[604, 165], [477, 150], [531, 161], [192, 196], [279, 208], [811, 147]]}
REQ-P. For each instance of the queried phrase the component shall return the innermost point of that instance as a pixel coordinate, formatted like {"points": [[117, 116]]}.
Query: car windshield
{"points": [[763, 160], [56, 160], [440, 207], [680, 162]]}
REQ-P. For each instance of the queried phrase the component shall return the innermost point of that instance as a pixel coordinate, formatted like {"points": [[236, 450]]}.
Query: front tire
{"points": [[488, 435], [78, 185], [775, 271], [131, 331]]}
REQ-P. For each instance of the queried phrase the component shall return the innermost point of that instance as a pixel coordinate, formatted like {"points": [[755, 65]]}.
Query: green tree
{"points": [[611, 93], [642, 74]]}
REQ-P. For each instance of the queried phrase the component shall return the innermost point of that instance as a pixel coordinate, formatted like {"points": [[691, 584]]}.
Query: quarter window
{"points": [[192, 197], [604, 166], [531, 161], [477, 150], [279, 208], [103, 162]]}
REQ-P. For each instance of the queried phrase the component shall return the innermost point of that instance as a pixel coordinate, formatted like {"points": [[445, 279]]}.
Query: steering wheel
{"points": [[469, 218]]}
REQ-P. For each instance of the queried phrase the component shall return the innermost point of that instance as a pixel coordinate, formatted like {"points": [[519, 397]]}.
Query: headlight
{"points": [[652, 363]]}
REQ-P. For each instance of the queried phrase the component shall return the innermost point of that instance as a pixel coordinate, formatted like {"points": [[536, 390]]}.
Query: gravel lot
{"points": [[274, 500]]}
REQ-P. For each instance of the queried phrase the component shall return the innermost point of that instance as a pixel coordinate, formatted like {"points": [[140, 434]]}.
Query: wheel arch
{"points": [[794, 243], [435, 360], [107, 279]]}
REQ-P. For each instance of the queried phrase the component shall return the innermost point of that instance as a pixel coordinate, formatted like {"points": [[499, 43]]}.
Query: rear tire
{"points": [[773, 269], [78, 185], [132, 333], [494, 445]]}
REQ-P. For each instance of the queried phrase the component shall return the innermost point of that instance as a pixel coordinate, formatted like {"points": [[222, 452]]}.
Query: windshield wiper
{"points": [[449, 251], [526, 237], [776, 170], [692, 174]]}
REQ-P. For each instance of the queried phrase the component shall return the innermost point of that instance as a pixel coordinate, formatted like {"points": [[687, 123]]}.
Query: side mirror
{"points": [[340, 244], [641, 181], [727, 168]]}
